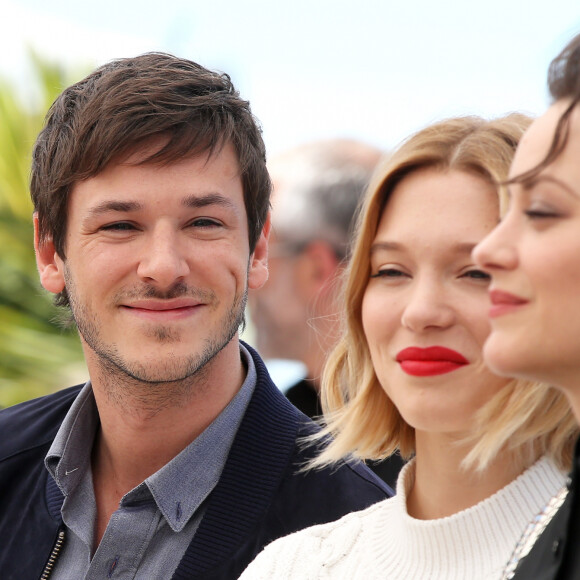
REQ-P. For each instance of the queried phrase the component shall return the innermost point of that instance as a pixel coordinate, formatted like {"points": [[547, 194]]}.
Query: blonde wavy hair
{"points": [[528, 419]]}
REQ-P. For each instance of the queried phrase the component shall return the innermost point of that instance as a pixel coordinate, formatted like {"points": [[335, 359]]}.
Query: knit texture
{"points": [[383, 541]]}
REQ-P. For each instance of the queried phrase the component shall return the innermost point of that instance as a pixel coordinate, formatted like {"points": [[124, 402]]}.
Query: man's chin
{"points": [[163, 372], [156, 367]]}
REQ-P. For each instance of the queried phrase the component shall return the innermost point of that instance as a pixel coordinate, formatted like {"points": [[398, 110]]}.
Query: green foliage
{"points": [[36, 355]]}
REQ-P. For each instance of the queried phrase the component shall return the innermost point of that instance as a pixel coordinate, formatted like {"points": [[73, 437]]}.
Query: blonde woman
{"points": [[487, 453]]}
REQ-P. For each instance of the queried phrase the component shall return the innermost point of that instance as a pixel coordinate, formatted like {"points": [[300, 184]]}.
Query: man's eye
{"points": [[118, 227], [205, 223]]}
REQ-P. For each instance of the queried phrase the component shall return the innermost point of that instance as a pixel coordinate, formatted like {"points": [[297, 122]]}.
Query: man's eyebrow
{"points": [[191, 201], [121, 206], [198, 201]]}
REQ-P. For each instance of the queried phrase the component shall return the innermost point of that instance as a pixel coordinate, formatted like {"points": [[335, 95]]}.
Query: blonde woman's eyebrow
{"points": [[458, 248], [386, 246]]}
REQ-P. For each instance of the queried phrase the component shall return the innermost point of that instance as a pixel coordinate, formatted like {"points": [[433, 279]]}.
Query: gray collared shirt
{"points": [[155, 522]]}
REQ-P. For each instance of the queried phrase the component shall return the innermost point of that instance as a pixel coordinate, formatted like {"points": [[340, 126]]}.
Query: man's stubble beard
{"points": [[167, 384]]}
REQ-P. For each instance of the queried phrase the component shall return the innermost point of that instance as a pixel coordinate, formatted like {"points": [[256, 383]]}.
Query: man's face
{"points": [[157, 264]]}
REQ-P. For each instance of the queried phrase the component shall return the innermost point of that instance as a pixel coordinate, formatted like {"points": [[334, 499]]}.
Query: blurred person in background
{"points": [[316, 191], [179, 457], [487, 453]]}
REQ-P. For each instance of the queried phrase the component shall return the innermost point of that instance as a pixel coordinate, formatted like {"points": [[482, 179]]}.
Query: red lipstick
{"points": [[426, 362], [504, 303]]}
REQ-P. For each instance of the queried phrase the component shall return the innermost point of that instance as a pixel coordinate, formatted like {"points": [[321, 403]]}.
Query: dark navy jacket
{"points": [[556, 553], [260, 496]]}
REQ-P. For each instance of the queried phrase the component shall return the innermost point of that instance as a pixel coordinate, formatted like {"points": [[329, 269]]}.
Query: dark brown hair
{"points": [[563, 83], [124, 105]]}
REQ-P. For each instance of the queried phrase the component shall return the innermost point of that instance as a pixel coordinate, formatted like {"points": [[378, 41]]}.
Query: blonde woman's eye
{"points": [[477, 275], [388, 273]]}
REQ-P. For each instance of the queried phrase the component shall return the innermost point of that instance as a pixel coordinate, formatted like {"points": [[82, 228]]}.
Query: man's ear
{"points": [[258, 272], [50, 265]]}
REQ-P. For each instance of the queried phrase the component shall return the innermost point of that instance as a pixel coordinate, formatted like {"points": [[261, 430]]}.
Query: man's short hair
{"points": [[129, 103]]}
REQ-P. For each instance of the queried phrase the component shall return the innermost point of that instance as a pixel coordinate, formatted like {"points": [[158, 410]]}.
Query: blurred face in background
{"points": [[280, 309]]}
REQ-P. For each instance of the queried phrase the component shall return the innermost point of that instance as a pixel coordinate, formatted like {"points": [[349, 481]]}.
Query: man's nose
{"points": [[163, 261]]}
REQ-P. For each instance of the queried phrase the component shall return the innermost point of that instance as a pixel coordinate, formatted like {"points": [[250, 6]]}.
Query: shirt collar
{"points": [[179, 487], [69, 456]]}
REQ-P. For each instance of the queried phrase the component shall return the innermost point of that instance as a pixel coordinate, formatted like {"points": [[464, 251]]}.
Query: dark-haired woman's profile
{"points": [[534, 259]]}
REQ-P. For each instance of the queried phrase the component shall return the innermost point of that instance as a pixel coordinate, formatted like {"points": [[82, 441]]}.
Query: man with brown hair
{"points": [[179, 457]]}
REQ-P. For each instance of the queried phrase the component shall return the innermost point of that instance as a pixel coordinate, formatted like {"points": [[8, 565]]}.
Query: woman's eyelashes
{"points": [[537, 214], [544, 204], [477, 275], [388, 273]]}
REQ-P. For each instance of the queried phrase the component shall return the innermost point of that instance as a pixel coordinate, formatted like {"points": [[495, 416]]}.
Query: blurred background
{"points": [[374, 70]]}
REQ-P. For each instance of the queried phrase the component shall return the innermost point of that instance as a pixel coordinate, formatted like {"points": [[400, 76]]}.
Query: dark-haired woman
{"points": [[534, 259]]}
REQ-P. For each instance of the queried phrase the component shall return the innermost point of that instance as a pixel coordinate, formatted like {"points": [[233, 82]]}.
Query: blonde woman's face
{"points": [[425, 308], [534, 258]]}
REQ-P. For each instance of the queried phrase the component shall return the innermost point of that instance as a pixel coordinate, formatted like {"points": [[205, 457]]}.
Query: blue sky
{"points": [[312, 69]]}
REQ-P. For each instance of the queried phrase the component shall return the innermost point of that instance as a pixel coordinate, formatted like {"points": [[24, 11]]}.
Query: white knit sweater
{"points": [[383, 541]]}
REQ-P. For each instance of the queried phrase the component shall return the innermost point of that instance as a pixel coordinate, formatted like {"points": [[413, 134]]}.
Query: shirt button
{"points": [[568, 482], [556, 547]]}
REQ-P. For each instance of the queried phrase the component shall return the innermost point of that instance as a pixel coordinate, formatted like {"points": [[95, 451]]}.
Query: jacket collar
{"points": [[264, 444]]}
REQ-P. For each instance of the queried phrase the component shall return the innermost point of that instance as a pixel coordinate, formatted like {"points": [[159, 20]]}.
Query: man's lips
{"points": [[163, 304], [434, 360], [503, 302], [163, 309]]}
